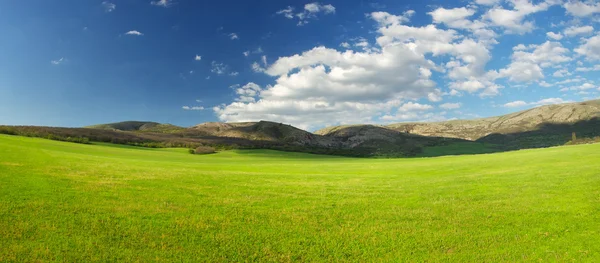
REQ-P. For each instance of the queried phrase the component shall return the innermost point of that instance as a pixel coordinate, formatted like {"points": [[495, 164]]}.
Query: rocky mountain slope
{"points": [[523, 121], [538, 127]]}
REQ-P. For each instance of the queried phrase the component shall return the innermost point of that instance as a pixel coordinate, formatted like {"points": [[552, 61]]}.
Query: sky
{"points": [[310, 64]]}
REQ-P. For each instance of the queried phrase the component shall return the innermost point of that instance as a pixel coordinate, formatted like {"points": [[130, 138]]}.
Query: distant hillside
{"points": [[523, 121], [262, 130], [142, 126], [538, 127]]}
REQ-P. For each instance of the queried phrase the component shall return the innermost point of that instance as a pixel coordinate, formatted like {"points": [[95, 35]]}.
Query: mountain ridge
{"points": [[543, 126]]}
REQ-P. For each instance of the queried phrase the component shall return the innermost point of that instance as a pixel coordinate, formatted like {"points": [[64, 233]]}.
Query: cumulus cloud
{"points": [[316, 7], [134, 33], [527, 62], [451, 106], [198, 58], [578, 30], [248, 92], [108, 6], [549, 101], [590, 48], [381, 79], [326, 86], [487, 2], [582, 9], [554, 36], [588, 69], [233, 36], [513, 20], [412, 106], [516, 104], [561, 73], [310, 11], [582, 87]]}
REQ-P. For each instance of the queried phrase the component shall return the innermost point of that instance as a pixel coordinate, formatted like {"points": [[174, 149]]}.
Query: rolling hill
{"points": [[543, 126], [141, 126]]}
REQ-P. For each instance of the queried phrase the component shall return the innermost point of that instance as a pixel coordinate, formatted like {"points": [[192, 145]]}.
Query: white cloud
{"points": [[248, 92], [554, 36], [372, 83], [288, 12], [233, 36], [257, 68], [575, 30], [487, 2], [263, 59], [412, 106], [456, 18], [310, 11], [414, 116], [317, 7], [561, 73], [520, 103], [590, 48], [513, 20], [516, 104], [198, 58], [162, 3], [218, 68], [527, 65], [588, 69], [550, 101], [192, 108], [234, 73], [134, 33], [581, 9], [451, 106], [58, 61], [108, 6], [583, 87], [246, 53]]}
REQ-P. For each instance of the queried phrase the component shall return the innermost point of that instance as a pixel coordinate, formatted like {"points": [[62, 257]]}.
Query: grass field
{"points": [[79, 203]]}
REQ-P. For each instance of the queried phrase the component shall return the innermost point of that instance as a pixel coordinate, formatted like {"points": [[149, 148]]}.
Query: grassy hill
{"points": [[140, 126], [81, 203], [518, 122], [544, 126]]}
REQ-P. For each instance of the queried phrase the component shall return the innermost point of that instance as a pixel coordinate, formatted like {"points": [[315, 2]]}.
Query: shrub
{"points": [[203, 150]]}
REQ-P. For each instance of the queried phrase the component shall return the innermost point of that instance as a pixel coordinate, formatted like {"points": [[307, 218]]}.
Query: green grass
{"points": [[80, 203], [459, 148]]}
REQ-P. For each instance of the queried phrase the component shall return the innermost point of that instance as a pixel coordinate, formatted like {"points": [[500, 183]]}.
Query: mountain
{"points": [[141, 126], [543, 126], [262, 130], [522, 121]]}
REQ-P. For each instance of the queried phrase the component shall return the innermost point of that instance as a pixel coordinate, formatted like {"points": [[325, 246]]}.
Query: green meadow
{"points": [[80, 203]]}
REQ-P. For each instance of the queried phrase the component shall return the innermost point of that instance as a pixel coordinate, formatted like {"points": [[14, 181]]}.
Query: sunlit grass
{"points": [[78, 203]]}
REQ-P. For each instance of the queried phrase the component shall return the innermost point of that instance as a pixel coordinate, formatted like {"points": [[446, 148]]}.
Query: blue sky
{"points": [[309, 64]]}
